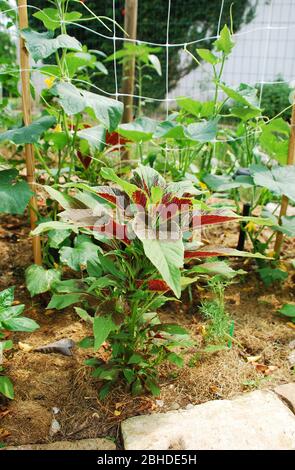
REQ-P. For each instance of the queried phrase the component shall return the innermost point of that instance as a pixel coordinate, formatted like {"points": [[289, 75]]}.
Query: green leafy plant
{"points": [[11, 319], [135, 246]]}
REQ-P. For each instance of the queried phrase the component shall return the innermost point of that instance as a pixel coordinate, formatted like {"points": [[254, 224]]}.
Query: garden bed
{"points": [[257, 359]]}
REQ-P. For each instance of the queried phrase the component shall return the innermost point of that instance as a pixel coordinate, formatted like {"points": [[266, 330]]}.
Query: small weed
{"points": [[221, 327]]}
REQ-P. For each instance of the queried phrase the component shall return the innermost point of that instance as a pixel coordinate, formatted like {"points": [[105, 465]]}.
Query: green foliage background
{"points": [[190, 21]]}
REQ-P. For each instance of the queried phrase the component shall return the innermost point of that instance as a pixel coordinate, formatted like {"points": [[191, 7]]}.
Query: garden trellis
{"points": [[116, 36]]}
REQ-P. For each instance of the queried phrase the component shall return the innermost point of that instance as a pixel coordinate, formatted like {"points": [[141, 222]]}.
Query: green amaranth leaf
{"points": [[6, 387], [167, 257], [102, 326]]}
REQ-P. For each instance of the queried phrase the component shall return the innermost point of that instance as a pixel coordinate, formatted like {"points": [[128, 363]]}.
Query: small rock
{"points": [[55, 410], [54, 428], [160, 403], [175, 406], [291, 345], [25, 347]]}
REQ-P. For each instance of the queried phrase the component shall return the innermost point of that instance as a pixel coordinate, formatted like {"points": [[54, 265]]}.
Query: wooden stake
{"points": [[26, 107], [130, 26], [285, 201]]}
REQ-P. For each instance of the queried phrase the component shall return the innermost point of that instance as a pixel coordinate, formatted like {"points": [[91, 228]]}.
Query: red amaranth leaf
{"points": [[156, 285], [200, 254], [139, 198], [84, 159], [211, 219], [114, 139]]}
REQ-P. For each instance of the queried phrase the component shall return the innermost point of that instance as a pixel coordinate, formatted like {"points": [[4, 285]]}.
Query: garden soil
{"points": [[52, 386]]}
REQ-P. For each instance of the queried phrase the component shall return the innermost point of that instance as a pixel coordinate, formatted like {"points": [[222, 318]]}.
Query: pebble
{"points": [[160, 403], [175, 406]]}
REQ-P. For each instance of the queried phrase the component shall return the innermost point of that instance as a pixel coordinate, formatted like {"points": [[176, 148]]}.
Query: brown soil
{"points": [[44, 381]]}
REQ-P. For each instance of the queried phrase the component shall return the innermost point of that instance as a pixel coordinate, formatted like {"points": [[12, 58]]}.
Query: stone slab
{"points": [[287, 392], [256, 420]]}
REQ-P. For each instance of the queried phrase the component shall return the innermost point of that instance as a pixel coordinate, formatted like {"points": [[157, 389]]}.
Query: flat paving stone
{"points": [[84, 444], [287, 392], [256, 420]]}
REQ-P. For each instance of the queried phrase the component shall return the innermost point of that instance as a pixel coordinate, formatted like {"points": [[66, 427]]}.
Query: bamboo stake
{"points": [[26, 107], [130, 26], [285, 200]]}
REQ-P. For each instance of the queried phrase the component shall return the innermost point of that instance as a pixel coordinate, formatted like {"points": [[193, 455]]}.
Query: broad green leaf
{"points": [[220, 182], [70, 98], [14, 195], [208, 56], [29, 134], [83, 252], [244, 94], [202, 131], [175, 359], [224, 43], [57, 237], [50, 17], [288, 310], [167, 257], [279, 180], [39, 279], [20, 324], [274, 139], [6, 387], [74, 100], [95, 136], [140, 130], [60, 301], [169, 130], [107, 110], [42, 45], [189, 105], [245, 113], [102, 327]]}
